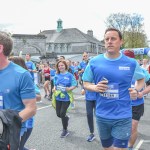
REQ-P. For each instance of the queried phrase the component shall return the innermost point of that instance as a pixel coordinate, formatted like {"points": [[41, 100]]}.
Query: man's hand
{"points": [[81, 71], [140, 95], [133, 93], [101, 86]]}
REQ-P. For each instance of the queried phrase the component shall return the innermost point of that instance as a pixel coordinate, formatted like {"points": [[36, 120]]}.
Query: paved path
{"points": [[47, 130]]}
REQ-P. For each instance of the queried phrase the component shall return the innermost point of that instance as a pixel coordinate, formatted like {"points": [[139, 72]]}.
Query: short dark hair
{"points": [[28, 54], [114, 29], [62, 57], [7, 42]]}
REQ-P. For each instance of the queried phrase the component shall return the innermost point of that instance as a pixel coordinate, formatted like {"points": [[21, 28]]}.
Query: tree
{"points": [[131, 27]]}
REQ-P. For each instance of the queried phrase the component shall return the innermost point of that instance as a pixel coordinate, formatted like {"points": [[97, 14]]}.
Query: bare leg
{"points": [[120, 148], [134, 133], [45, 89], [110, 148]]}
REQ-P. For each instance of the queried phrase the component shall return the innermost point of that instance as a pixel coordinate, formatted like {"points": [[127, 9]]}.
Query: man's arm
{"points": [[144, 92], [139, 84], [38, 97], [100, 87], [29, 110]]}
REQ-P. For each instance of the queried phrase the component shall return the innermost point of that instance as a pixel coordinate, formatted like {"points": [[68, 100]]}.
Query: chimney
{"points": [[90, 33]]}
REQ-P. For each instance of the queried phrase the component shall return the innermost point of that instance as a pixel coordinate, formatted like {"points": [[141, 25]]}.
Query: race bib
{"points": [[1, 100], [112, 92], [61, 88], [46, 74]]}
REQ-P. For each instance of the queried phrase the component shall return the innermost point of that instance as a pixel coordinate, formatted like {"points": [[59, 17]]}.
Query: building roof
{"points": [[29, 36], [70, 35]]}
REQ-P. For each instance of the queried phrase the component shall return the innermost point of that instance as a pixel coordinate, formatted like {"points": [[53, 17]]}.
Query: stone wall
{"points": [[33, 44]]}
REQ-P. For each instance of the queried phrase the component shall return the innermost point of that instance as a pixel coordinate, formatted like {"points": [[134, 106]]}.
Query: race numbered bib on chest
{"points": [[61, 88], [112, 92], [47, 74], [1, 101]]}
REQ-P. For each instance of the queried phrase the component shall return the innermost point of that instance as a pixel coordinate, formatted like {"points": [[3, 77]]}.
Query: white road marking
{"points": [[79, 97], [51, 105], [44, 107], [139, 145]]}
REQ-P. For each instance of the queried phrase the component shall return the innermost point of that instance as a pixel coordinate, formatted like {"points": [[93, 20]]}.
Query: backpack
{"points": [[10, 126]]}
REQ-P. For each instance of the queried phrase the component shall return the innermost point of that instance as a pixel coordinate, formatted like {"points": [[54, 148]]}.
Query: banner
{"points": [[139, 51]]}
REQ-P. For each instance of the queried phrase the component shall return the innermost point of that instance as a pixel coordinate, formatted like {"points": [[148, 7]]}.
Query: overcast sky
{"points": [[31, 16]]}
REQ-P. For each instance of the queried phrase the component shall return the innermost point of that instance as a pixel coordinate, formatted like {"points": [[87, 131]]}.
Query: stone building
{"points": [[50, 43], [27, 43]]}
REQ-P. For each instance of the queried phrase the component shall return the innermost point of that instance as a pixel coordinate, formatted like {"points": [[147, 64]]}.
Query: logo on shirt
{"points": [[7, 91], [66, 78], [124, 68]]}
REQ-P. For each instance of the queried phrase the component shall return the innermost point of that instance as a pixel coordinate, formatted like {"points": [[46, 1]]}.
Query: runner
{"points": [[112, 73], [137, 106], [46, 74], [64, 84]]}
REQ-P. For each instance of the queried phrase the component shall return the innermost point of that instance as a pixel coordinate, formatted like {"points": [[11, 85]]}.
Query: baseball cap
{"points": [[129, 53]]}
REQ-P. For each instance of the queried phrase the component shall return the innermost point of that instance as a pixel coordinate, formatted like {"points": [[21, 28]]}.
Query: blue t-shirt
{"points": [[16, 85], [71, 69], [30, 121], [82, 65], [61, 81], [140, 101], [53, 72], [90, 95], [115, 103], [76, 68], [145, 72], [31, 65]]}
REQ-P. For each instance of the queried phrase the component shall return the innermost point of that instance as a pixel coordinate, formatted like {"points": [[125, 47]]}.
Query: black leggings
{"points": [[61, 109], [24, 139], [90, 110], [52, 86]]}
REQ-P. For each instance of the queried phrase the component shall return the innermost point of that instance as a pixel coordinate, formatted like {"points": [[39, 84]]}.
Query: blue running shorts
{"points": [[114, 132]]}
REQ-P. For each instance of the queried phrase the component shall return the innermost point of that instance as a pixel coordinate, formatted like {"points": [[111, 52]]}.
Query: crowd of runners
{"points": [[114, 85]]}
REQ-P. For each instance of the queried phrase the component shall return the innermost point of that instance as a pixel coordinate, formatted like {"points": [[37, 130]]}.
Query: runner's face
{"points": [[61, 67], [85, 56], [27, 57], [112, 42]]}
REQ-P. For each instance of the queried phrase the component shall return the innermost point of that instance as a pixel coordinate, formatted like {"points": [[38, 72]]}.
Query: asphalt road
{"points": [[47, 128]]}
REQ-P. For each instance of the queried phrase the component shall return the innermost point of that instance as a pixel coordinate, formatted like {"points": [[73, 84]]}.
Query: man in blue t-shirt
{"points": [[112, 74], [16, 85], [137, 105], [30, 65], [81, 69]]}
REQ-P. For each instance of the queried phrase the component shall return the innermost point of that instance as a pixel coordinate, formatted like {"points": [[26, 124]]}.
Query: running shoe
{"points": [[45, 96], [64, 133], [90, 138]]}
